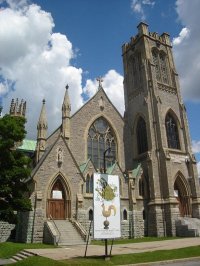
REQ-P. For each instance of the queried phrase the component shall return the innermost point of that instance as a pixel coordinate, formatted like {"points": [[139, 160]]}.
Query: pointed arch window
{"points": [[125, 215], [172, 132], [161, 68], [89, 184], [90, 215], [141, 187], [100, 137], [141, 136]]}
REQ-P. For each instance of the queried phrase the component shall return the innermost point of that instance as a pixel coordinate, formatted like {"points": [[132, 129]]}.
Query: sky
{"points": [[46, 44]]}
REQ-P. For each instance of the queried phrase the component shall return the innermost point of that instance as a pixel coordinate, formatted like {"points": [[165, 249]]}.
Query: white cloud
{"points": [[187, 48], [182, 35], [3, 89], [113, 86], [36, 64], [196, 146], [137, 7], [198, 169]]}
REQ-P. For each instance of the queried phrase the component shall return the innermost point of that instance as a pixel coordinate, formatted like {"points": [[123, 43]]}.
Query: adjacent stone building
{"points": [[150, 152]]}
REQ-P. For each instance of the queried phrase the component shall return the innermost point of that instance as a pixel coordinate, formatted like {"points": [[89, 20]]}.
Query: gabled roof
{"points": [[48, 150], [99, 90], [136, 169], [84, 165], [112, 168]]}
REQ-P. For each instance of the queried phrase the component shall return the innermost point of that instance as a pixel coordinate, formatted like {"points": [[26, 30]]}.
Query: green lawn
{"points": [[8, 249], [118, 259]]}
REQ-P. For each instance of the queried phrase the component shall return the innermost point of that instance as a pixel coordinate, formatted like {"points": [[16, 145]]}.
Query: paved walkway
{"points": [[94, 250]]}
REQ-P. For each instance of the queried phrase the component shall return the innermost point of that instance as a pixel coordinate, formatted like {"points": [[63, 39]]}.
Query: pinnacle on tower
{"points": [[42, 123], [41, 133], [17, 109], [66, 108]]}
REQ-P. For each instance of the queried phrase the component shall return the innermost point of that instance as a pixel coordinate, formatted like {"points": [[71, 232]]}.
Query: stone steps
{"points": [[68, 234], [188, 227], [24, 254]]}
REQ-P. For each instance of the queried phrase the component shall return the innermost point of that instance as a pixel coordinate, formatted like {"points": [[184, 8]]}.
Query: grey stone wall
{"points": [[5, 231]]}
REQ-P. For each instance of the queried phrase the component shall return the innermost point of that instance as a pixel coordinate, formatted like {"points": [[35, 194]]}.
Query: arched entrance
{"points": [[59, 203], [181, 192]]}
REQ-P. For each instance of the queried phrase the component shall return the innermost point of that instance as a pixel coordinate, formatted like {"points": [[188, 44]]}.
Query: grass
{"points": [[132, 240], [117, 259], [153, 256], [39, 261], [8, 249]]}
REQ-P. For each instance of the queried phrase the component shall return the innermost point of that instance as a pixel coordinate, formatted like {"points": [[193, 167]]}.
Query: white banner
{"points": [[106, 202]]}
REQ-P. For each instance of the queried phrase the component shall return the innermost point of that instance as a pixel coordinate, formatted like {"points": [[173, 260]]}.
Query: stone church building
{"points": [[150, 152]]}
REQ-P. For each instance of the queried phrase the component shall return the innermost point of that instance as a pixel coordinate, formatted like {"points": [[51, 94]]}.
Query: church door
{"points": [[58, 208], [180, 192]]}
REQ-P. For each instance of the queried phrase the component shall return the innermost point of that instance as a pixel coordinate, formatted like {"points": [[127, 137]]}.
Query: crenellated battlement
{"points": [[164, 38]]}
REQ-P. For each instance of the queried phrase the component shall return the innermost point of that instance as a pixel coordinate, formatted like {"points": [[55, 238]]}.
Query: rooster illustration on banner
{"points": [[107, 192]]}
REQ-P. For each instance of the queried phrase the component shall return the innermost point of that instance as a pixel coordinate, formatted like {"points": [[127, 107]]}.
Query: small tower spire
{"points": [[41, 132], [66, 109]]}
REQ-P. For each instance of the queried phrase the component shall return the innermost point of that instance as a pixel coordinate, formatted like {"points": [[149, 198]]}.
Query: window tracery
{"points": [[172, 132], [100, 138], [160, 62], [89, 184]]}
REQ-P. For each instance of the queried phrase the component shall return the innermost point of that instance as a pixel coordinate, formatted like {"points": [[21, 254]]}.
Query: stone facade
{"points": [[157, 171]]}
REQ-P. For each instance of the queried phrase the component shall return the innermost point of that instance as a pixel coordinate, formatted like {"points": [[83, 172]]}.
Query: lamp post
{"points": [[104, 170]]}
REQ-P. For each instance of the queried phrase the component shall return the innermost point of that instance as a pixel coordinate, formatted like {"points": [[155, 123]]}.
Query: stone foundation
{"points": [[6, 231]]}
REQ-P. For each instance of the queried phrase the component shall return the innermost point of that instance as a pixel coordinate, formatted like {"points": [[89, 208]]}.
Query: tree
{"points": [[14, 169]]}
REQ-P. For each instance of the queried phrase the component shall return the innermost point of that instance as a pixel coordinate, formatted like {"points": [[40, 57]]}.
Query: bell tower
{"points": [[157, 133]]}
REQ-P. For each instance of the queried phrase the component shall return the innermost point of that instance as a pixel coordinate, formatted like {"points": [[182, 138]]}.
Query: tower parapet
{"points": [[164, 38], [18, 109]]}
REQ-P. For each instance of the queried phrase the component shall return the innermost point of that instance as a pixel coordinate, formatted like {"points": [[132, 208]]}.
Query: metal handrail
{"points": [[80, 228], [59, 234]]}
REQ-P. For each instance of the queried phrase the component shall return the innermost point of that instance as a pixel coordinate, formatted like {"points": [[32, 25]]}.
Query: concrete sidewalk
{"points": [[94, 250]]}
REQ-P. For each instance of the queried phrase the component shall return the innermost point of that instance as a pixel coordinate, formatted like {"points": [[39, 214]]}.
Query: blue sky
{"points": [[47, 44]]}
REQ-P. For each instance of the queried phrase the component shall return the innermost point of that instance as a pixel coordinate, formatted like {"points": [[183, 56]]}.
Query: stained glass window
{"points": [[156, 63], [160, 62], [141, 136], [89, 184], [172, 132], [100, 138]]}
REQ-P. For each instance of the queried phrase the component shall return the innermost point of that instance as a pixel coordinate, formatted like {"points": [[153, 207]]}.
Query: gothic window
{"points": [[163, 68], [160, 62], [90, 215], [100, 138], [57, 190], [141, 187], [125, 215], [89, 184], [136, 66], [172, 132], [141, 136], [156, 63]]}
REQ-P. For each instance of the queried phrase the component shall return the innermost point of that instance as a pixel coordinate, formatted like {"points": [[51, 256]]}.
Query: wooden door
{"points": [[57, 209]]}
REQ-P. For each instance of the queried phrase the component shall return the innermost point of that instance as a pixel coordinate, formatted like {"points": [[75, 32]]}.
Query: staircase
{"points": [[188, 227], [68, 234], [21, 256]]}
